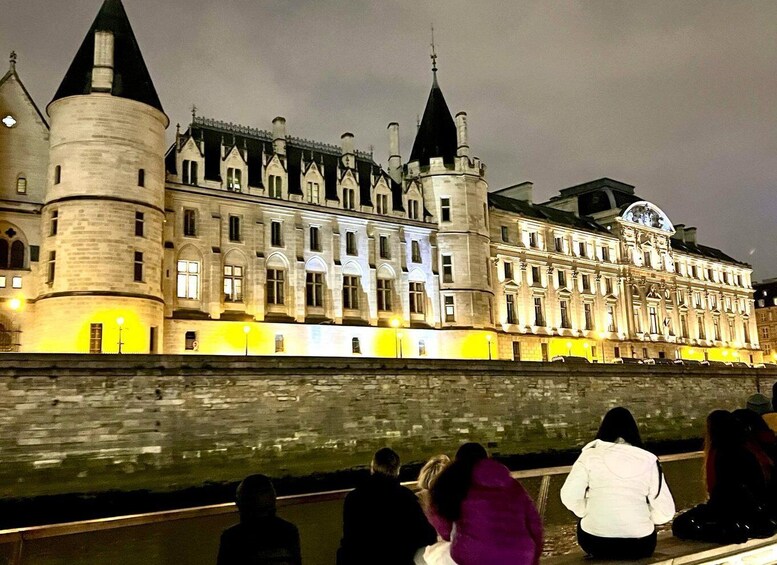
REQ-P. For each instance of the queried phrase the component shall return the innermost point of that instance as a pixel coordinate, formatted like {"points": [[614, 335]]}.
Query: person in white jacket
{"points": [[618, 491]]}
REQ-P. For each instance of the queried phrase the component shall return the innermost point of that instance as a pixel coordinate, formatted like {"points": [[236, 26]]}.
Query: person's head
{"points": [[385, 462], [759, 404], [431, 470], [619, 423], [723, 431], [255, 497], [471, 453]]}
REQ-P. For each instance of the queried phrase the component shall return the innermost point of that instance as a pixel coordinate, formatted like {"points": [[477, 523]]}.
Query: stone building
{"points": [[766, 317], [246, 241]]}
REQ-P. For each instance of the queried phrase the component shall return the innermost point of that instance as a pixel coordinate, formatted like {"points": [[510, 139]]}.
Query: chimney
{"points": [[462, 147], [679, 232], [349, 159], [279, 135], [102, 73], [523, 191], [395, 159], [690, 235]]}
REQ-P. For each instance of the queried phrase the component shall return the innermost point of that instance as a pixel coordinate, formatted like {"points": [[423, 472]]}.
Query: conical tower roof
{"points": [[436, 135], [130, 75]]}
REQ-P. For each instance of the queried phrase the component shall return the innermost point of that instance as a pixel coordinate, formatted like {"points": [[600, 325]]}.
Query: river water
{"points": [[195, 541]]}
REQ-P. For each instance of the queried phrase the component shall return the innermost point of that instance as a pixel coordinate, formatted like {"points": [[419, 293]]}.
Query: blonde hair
{"points": [[431, 470]]}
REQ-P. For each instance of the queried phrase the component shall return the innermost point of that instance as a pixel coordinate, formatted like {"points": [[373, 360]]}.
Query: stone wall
{"points": [[89, 423]]}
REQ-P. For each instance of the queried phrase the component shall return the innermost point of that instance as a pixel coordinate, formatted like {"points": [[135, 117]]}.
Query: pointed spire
{"points": [[12, 60], [131, 78]]}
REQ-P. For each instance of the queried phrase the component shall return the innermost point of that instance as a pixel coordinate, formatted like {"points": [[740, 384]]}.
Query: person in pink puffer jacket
{"points": [[484, 512]]}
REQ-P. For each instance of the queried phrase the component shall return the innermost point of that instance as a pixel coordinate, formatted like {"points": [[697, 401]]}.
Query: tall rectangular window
{"points": [[350, 292], [415, 251], [275, 185], [700, 324], [562, 278], [140, 222], [233, 283], [349, 198], [586, 280], [450, 309], [683, 326], [488, 271], [510, 307], [445, 209], [190, 341], [314, 290], [384, 295], [539, 312], [612, 324], [350, 243], [314, 193], [189, 222], [505, 234], [234, 228], [54, 222], [138, 266], [589, 317], [315, 239], [637, 318], [558, 245], [234, 179], [276, 237], [605, 253], [581, 249], [564, 307], [141, 177], [648, 259], [188, 281], [412, 205], [447, 269], [189, 175], [275, 286], [533, 239], [95, 338], [653, 315], [58, 174], [417, 298], [746, 329], [52, 271], [383, 204], [607, 285], [536, 276], [716, 328], [383, 244], [509, 275]]}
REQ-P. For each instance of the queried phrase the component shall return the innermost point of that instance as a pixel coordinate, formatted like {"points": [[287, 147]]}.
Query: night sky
{"points": [[676, 97]]}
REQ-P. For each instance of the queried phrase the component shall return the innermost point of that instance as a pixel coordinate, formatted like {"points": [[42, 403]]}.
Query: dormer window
{"points": [[189, 172], [275, 186], [234, 179], [349, 198], [412, 209], [382, 203], [314, 190]]}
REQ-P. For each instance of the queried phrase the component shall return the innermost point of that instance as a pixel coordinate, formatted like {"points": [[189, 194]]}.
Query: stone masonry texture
{"points": [[71, 423]]}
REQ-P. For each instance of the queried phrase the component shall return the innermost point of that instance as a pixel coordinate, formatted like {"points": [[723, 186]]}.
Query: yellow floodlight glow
{"points": [[585, 345], [488, 337], [395, 322], [569, 344], [246, 329], [725, 353], [15, 304], [602, 335], [120, 321]]}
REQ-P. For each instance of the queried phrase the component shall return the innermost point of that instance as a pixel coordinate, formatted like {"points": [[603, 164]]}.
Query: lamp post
{"points": [[585, 346], [120, 323], [246, 330], [602, 336], [488, 339], [395, 323], [569, 348], [14, 304]]}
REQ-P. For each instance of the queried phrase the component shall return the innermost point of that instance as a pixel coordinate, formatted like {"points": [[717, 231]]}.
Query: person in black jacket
{"points": [[261, 538], [383, 523]]}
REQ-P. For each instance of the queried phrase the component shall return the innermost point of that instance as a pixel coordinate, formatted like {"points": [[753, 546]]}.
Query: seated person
{"points": [[383, 523], [261, 538], [618, 491]]}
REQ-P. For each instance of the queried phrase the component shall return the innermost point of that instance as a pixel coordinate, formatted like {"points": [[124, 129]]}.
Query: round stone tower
{"points": [[102, 220], [456, 193]]}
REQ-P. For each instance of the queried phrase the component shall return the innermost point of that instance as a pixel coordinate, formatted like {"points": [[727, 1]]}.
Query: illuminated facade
{"points": [[766, 317], [237, 240]]}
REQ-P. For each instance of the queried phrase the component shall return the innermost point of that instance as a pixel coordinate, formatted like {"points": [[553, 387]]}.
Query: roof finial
{"points": [[12, 59], [194, 112], [434, 54]]}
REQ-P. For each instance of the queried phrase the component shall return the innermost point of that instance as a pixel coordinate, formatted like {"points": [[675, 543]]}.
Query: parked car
{"points": [[691, 362], [627, 360], [569, 359], [661, 361], [741, 364]]}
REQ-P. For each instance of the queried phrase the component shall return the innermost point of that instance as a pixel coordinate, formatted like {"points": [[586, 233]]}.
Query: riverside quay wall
{"points": [[71, 423]]}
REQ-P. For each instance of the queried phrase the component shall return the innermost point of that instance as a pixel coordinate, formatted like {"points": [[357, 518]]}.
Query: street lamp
{"points": [[395, 323], [120, 323], [569, 348], [246, 330], [488, 339]]}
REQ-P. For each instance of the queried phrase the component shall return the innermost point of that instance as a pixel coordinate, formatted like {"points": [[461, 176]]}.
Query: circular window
{"points": [[9, 121]]}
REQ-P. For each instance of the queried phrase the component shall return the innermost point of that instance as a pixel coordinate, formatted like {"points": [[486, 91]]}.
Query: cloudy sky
{"points": [[676, 97]]}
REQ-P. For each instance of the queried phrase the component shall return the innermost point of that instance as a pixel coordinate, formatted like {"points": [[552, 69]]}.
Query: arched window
{"points": [[4, 254], [17, 255]]}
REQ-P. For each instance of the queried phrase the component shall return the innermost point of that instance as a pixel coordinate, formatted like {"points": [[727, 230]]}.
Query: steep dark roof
{"points": [[766, 291], [544, 213], [130, 76], [299, 153], [436, 136], [704, 251]]}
